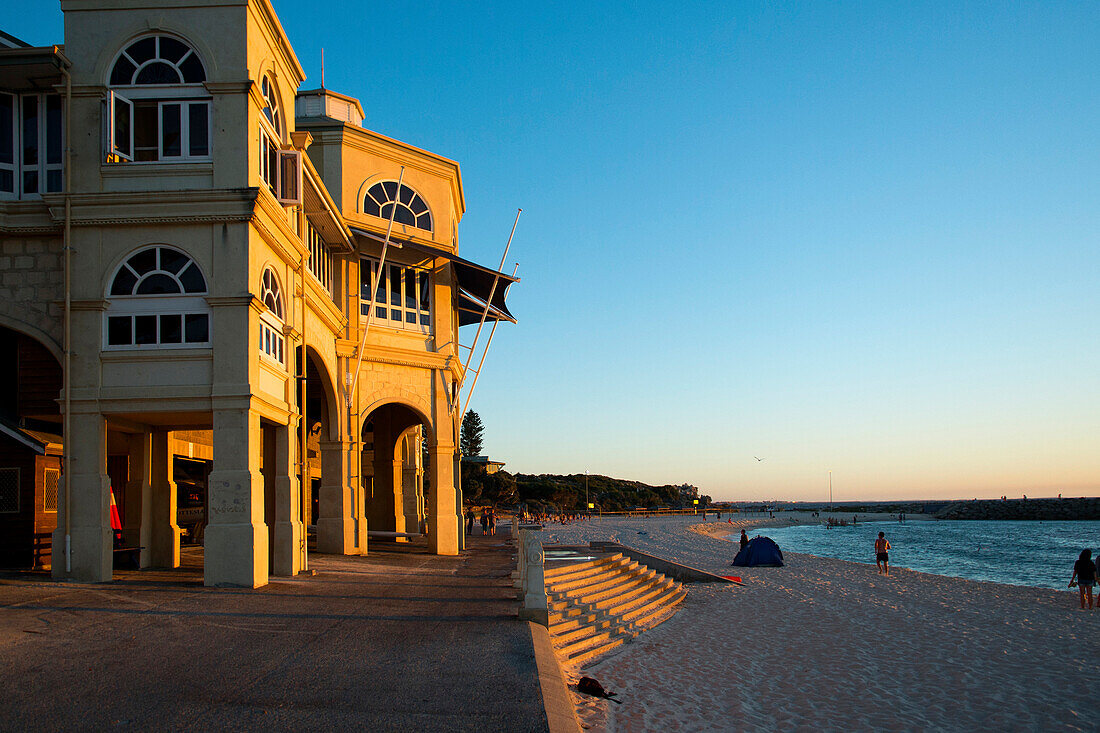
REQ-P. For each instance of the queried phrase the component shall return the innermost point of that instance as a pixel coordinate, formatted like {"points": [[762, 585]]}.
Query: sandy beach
{"points": [[828, 644]]}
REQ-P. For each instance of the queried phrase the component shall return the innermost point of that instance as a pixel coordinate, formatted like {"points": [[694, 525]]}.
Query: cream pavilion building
{"points": [[190, 247]]}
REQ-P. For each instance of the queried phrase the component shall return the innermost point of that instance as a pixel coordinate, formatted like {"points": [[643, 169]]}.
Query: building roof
{"points": [[36, 440]]}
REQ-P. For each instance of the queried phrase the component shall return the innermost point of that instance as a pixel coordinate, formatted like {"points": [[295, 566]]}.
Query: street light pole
{"points": [[586, 505]]}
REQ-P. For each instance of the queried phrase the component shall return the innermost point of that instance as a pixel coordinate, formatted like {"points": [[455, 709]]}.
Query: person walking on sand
{"points": [[744, 539], [882, 556], [1084, 573]]}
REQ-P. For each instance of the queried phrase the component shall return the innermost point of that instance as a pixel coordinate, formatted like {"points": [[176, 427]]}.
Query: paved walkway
{"points": [[398, 640]]}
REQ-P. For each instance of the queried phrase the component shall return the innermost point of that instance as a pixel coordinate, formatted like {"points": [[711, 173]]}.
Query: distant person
{"points": [[484, 522], [882, 554], [744, 539], [492, 522], [469, 521], [1084, 577]]}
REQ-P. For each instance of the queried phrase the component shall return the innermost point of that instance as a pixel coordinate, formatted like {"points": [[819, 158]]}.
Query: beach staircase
{"points": [[598, 603]]}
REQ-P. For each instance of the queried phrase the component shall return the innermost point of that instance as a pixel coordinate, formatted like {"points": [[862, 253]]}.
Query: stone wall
{"points": [[1040, 509], [32, 285]]}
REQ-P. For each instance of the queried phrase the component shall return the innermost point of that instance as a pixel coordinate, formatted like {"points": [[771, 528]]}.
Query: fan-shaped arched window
{"points": [[272, 110], [383, 196], [271, 322], [156, 300], [158, 60], [159, 109]]}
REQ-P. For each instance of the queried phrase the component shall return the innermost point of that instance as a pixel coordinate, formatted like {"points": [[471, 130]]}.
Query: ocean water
{"points": [[1039, 554]]}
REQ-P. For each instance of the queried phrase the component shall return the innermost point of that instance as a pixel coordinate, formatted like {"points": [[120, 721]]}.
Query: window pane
{"points": [[410, 316], [197, 328], [406, 195], [30, 131], [7, 181], [171, 260], [124, 115], [395, 315], [170, 130], [53, 128], [144, 261], [145, 329], [192, 280], [170, 330], [193, 72], [379, 312], [171, 49], [380, 294], [424, 221], [30, 181], [199, 129], [158, 284], [410, 288], [123, 73], [7, 129], [425, 319], [143, 50], [425, 292], [158, 72], [404, 216], [390, 187], [395, 285], [124, 282], [370, 206], [118, 331], [53, 180], [145, 131]]}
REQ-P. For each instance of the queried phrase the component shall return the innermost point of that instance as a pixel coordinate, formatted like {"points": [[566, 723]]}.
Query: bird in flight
{"points": [[759, 459]]}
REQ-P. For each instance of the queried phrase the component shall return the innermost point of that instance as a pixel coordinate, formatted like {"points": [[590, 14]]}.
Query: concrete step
{"points": [[596, 581], [611, 596], [558, 569], [628, 604], [584, 655], [663, 600], [588, 630], [658, 613]]}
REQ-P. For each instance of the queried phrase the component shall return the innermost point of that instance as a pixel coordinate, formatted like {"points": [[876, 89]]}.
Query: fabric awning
{"points": [[475, 281]]}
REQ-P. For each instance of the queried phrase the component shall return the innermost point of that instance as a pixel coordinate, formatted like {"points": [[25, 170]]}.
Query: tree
{"points": [[470, 439]]}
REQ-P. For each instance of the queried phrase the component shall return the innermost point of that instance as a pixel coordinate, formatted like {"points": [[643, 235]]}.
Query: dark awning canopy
{"points": [[475, 281]]}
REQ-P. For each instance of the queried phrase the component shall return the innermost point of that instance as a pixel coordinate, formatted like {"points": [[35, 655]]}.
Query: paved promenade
{"points": [[399, 640]]}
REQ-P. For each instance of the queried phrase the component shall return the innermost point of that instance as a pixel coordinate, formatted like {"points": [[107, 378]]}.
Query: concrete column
{"points": [[289, 531], [139, 506], [90, 502], [335, 507], [165, 549], [443, 522], [236, 536]]}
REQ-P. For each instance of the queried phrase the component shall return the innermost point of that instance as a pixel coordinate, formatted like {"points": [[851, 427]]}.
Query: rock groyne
{"points": [[1023, 509]]}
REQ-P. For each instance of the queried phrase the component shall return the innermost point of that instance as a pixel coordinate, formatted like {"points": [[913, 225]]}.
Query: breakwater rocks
{"points": [[1041, 509]]}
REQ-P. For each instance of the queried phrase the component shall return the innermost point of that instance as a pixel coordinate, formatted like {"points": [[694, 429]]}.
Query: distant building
{"points": [[197, 263], [484, 462]]}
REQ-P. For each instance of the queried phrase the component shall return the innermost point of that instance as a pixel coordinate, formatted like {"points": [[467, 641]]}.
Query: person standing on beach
{"points": [[1084, 572], [882, 556], [744, 539]]}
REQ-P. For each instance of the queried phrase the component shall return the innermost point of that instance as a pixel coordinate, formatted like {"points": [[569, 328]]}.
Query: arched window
{"points": [[156, 300], [383, 196], [271, 134], [271, 322], [159, 108]]}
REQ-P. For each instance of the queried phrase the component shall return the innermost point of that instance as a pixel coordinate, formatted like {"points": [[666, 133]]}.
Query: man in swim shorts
{"points": [[882, 557]]}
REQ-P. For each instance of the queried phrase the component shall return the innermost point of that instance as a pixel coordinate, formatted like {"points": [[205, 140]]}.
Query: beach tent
{"points": [[759, 551]]}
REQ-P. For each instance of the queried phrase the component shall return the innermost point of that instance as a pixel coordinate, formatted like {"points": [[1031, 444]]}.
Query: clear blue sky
{"points": [[858, 237]]}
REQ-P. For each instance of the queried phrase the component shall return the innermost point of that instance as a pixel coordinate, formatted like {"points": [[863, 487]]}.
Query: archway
{"points": [[392, 472]]}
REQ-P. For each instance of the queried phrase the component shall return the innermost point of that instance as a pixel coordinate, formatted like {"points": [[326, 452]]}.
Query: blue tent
{"points": [[759, 551]]}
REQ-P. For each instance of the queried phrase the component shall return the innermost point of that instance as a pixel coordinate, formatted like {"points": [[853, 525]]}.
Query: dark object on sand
{"points": [[589, 686], [761, 551]]}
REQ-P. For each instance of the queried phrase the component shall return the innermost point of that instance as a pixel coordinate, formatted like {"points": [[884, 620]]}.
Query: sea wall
{"points": [[1023, 509]]}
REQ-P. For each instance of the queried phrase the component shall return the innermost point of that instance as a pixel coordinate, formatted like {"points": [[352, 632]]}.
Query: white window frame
{"points": [[181, 94], [43, 167], [370, 264], [320, 258], [167, 304]]}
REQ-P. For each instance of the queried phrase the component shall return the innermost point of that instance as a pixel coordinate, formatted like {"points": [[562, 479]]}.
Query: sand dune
{"points": [[828, 644]]}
